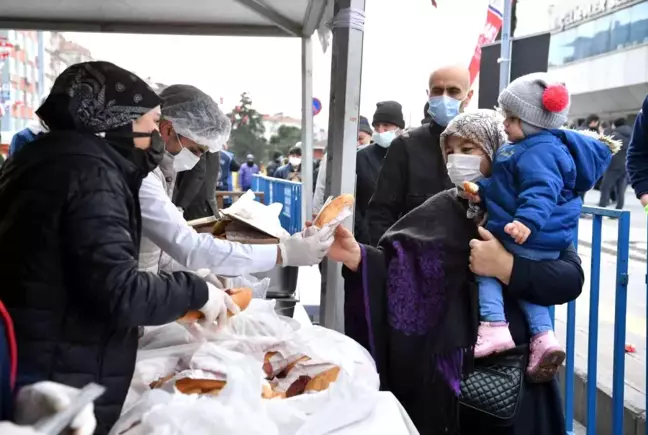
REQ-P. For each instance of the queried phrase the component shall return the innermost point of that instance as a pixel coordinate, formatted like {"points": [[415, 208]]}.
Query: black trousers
{"points": [[614, 179]]}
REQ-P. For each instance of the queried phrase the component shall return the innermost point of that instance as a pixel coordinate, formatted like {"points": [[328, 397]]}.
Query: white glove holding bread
{"points": [[311, 245]]}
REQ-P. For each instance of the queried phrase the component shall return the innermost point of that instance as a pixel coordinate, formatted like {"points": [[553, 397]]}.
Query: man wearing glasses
{"points": [[192, 124]]}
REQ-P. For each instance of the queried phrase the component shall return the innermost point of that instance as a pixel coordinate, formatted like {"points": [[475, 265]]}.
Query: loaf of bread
{"points": [[471, 187], [333, 209], [241, 297], [199, 386], [322, 381]]}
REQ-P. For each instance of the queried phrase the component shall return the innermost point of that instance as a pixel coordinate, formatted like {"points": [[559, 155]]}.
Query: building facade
{"points": [[599, 48], [28, 74]]}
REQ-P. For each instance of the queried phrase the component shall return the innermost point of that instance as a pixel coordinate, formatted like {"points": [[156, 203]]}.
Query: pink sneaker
{"points": [[545, 357], [493, 338]]}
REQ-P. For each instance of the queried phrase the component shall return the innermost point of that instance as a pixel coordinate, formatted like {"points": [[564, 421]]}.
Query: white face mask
{"points": [[385, 138], [294, 161], [185, 160], [463, 167]]}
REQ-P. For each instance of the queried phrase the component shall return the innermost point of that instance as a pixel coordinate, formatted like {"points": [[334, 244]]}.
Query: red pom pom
{"points": [[555, 98]]}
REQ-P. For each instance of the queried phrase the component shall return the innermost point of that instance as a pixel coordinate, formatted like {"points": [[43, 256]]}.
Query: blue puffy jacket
{"points": [[537, 181]]}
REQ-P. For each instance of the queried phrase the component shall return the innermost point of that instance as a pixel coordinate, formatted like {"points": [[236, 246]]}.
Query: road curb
{"points": [[633, 255], [634, 420]]}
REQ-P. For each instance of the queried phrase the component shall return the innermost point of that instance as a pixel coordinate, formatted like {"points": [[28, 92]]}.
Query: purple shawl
{"points": [[413, 304]]}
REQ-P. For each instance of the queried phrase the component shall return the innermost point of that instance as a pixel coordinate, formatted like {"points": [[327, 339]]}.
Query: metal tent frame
{"points": [[288, 18]]}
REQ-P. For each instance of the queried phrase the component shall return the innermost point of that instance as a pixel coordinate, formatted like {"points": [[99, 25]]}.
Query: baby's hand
{"points": [[518, 231], [473, 197]]}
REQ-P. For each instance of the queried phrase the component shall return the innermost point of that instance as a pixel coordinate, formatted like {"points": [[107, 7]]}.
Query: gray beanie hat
{"points": [[537, 100]]}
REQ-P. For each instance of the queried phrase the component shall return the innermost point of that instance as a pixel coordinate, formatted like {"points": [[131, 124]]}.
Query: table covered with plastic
{"points": [[261, 374]]}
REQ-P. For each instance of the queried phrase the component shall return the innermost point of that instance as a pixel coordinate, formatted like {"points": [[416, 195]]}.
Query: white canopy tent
{"points": [[290, 18]]}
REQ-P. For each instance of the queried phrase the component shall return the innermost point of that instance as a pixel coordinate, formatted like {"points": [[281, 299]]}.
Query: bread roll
{"points": [[242, 297], [471, 187], [199, 386], [333, 209], [322, 381]]}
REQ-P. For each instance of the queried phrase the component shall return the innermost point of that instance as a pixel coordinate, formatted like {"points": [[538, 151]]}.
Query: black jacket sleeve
{"points": [[101, 262], [547, 283], [190, 184], [388, 202], [637, 162]]}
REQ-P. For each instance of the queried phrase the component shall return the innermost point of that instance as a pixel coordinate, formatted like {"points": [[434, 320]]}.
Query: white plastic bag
{"points": [[238, 409], [259, 287]]}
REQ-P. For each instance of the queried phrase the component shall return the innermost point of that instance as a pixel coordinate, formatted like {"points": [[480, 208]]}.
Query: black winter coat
{"points": [[413, 171], [623, 134], [369, 160], [69, 240]]}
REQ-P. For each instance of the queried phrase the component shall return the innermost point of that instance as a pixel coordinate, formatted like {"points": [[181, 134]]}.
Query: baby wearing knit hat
{"points": [[533, 205]]}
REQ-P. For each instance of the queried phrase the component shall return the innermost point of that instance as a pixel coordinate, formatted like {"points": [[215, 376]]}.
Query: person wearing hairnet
{"points": [[191, 125]]}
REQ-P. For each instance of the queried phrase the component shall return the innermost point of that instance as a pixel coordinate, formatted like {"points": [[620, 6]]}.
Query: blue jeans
{"points": [[491, 299]]}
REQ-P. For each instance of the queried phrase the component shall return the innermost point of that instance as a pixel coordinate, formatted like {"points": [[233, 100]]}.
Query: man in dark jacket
{"points": [[275, 164], [616, 176], [291, 171], [364, 132], [414, 169], [195, 191], [387, 123], [637, 162], [228, 164]]}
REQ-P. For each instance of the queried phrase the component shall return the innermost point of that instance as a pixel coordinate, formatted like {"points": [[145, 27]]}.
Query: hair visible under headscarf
{"points": [[96, 97], [483, 127]]}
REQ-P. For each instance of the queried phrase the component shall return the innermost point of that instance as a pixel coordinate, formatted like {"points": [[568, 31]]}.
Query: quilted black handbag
{"points": [[495, 386]]}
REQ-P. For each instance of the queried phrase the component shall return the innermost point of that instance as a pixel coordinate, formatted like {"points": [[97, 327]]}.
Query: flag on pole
{"points": [[489, 33]]}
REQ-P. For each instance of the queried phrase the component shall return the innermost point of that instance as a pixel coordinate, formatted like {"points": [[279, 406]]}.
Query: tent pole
{"points": [[307, 129], [346, 72]]}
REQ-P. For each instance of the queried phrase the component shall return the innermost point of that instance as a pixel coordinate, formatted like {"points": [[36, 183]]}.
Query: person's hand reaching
{"points": [[489, 258], [518, 231], [217, 306], [44, 399], [345, 249]]}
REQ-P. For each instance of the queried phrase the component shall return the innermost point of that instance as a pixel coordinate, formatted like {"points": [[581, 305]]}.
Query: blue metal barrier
{"points": [[288, 194], [623, 244]]}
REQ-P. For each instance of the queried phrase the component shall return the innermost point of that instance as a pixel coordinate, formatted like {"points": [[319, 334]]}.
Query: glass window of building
{"points": [[639, 24], [620, 36], [624, 28]]}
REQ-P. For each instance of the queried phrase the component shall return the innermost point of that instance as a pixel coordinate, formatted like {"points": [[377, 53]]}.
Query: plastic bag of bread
{"points": [[178, 408]]}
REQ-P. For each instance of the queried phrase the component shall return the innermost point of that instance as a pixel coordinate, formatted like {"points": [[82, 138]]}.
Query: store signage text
{"points": [[583, 12]]}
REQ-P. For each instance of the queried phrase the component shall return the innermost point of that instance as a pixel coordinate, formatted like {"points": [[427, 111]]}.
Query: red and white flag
{"points": [[487, 36]]}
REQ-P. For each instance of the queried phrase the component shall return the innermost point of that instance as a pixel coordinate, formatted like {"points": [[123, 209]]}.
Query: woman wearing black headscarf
{"points": [[412, 302], [69, 237]]}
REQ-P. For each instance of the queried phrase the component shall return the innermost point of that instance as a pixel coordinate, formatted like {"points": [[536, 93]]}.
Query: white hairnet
{"points": [[196, 116]]}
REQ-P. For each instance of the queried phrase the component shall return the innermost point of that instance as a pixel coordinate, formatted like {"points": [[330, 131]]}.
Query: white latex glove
{"points": [[305, 249], [208, 276], [217, 306], [43, 399], [7, 428]]}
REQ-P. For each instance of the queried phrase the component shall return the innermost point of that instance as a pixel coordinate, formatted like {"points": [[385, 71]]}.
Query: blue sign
{"points": [[317, 106]]}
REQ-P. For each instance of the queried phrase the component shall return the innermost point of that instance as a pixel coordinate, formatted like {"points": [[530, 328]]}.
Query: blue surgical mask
{"points": [[443, 109], [385, 138]]}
